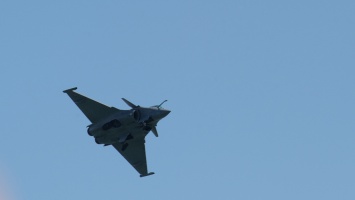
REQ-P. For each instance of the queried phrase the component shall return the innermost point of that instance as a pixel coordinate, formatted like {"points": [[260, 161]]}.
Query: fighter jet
{"points": [[125, 130]]}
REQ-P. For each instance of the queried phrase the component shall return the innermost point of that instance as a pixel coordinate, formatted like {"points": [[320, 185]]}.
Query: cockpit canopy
{"points": [[159, 107]]}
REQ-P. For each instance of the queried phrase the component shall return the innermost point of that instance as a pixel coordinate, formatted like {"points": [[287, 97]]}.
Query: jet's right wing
{"points": [[93, 110]]}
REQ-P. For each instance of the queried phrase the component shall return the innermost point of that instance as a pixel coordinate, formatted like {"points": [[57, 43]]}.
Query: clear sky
{"points": [[261, 92]]}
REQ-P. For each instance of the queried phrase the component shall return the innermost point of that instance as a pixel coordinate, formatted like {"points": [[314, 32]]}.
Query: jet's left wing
{"points": [[93, 110], [134, 152]]}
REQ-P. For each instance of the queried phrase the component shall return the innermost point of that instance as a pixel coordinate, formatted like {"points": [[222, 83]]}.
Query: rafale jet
{"points": [[123, 129]]}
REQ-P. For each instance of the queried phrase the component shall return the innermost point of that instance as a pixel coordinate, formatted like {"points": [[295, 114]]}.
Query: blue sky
{"points": [[261, 93]]}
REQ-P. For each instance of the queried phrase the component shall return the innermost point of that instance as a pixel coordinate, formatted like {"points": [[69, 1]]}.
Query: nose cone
{"points": [[163, 113], [166, 112]]}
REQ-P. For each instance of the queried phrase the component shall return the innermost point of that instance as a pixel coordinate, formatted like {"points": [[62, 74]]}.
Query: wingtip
{"points": [[144, 175], [69, 90]]}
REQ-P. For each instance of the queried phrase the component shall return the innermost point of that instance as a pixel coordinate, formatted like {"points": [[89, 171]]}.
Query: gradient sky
{"points": [[261, 92]]}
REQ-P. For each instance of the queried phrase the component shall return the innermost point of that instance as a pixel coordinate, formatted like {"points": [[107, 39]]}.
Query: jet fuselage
{"points": [[126, 125]]}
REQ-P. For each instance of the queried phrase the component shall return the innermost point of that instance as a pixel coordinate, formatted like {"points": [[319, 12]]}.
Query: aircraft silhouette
{"points": [[125, 130]]}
